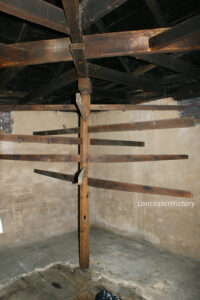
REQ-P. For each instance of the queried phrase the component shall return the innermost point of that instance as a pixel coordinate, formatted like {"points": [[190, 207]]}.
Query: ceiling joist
{"points": [[96, 46]]}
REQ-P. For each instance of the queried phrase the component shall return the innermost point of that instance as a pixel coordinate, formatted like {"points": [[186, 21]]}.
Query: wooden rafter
{"points": [[10, 73], [91, 12], [51, 16], [185, 30], [37, 11], [104, 73], [174, 64], [156, 10]]}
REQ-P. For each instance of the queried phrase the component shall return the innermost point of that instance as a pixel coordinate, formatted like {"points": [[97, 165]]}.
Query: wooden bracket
{"points": [[80, 104], [81, 176]]}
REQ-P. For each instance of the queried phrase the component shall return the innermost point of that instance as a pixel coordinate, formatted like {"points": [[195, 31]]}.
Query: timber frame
{"points": [[164, 46]]}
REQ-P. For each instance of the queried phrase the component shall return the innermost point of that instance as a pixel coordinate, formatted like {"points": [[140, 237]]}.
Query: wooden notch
{"points": [[147, 125], [81, 176], [120, 186], [80, 105], [106, 158]]}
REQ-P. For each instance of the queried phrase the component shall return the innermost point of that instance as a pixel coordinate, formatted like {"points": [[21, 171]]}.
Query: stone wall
{"points": [[33, 206], [176, 228]]}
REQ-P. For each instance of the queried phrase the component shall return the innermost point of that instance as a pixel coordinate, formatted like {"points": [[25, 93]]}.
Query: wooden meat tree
{"points": [[149, 45]]}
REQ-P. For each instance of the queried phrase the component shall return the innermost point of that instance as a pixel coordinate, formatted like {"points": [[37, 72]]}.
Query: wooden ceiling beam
{"points": [[96, 46], [185, 30], [37, 11], [53, 17], [11, 52]]}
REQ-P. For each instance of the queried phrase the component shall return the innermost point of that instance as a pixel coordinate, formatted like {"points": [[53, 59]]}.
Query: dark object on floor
{"points": [[106, 295], [56, 285]]}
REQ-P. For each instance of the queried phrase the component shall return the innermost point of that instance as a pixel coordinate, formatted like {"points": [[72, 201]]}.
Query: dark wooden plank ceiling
{"points": [[144, 78]]}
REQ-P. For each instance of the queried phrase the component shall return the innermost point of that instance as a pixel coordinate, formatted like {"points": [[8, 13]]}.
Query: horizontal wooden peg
{"points": [[125, 158], [42, 157], [110, 158], [94, 107], [21, 138], [134, 126], [120, 186]]}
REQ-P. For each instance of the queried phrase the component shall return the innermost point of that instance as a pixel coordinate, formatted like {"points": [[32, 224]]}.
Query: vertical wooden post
{"points": [[85, 89]]}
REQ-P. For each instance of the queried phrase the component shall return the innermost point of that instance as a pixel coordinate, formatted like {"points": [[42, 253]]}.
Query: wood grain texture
{"points": [[105, 158], [146, 125], [19, 138], [84, 200], [121, 186], [37, 11], [178, 33], [122, 158], [96, 46], [94, 107], [42, 157]]}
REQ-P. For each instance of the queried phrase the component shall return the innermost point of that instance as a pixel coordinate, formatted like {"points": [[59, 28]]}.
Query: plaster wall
{"points": [[33, 207], [175, 228]]}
